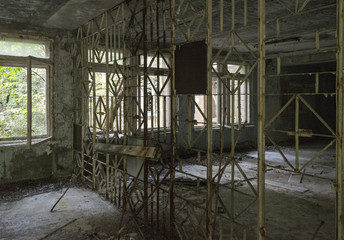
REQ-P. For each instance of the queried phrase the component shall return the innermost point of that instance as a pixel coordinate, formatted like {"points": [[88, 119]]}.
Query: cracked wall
{"points": [[53, 157]]}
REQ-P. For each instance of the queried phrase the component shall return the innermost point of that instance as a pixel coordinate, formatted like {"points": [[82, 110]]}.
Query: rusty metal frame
{"points": [[143, 28]]}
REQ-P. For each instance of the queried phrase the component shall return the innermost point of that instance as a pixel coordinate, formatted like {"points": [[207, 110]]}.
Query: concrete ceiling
{"points": [[61, 14], [298, 30]]}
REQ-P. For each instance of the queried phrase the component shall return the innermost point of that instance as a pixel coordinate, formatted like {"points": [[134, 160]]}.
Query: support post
{"points": [[209, 227], [339, 122], [146, 101], [107, 96], [29, 104], [261, 121], [297, 137], [173, 122]]}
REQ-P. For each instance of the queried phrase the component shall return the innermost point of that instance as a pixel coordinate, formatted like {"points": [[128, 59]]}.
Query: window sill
{"points": [[216, 126], [22, 142]]}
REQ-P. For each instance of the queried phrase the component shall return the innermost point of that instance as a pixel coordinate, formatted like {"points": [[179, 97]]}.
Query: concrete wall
{"points": [[51, 158], [323, 104], [247, 136]]}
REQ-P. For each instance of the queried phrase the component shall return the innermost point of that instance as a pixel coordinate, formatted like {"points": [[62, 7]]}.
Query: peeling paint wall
{"points": [[52, 158]]}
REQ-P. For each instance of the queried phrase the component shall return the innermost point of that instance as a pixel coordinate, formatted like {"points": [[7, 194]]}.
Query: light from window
{"points": [[24, 48], [13, 101], [226, 105]]}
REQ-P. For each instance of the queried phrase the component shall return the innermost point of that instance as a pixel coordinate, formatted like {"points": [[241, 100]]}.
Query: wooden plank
{"points": [[135, 151]]}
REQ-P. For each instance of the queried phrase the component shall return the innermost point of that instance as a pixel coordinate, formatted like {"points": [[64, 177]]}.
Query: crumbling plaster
{"points": [[53, 157]]}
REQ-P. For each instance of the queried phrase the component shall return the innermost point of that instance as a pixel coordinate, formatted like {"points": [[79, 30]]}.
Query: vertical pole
{"points": [[173, 121], [340, 121], [29, 104], [209, 121], [261, 120], [94, 101], [190, 117], [221, 15], [245, 13], [232, 157], [107, 102], [146, 100], [83, 103], [232, 120], [297, 144], [317, 83]]}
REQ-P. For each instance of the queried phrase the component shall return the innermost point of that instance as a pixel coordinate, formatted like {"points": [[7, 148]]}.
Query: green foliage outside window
{"points": [[13, 101]]}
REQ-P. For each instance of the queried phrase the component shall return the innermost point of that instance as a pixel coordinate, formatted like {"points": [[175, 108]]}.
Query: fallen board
{"points": [[134, 151]]}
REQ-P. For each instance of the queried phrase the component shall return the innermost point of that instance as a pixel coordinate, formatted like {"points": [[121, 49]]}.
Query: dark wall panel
{"points": [[191, 68]]}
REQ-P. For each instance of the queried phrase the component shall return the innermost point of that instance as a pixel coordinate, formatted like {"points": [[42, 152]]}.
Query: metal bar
{"points": [[261, 121], [146, 102], [278, 65], [94, 104], [209, 227], [189, 120], [317, 41], [107, 96], [233, 101], [280, 151], [278, 33], [298, 74], [317, 115], [173, 122], [340, 121], [280, 111], [297, 144], [317, 83], [303, 5], [317, 155], [245, 13], [221, 15], [29, 104]]}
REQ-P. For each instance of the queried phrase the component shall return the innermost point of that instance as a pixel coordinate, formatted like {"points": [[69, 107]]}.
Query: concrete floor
{"points": [[88, 217], [295, 209]]}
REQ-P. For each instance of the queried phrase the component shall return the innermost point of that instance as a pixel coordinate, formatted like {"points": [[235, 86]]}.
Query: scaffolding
{"points": [[125, 95]]}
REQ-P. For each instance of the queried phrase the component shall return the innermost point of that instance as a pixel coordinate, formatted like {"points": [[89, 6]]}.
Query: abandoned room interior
{"points": [[172, 119]]}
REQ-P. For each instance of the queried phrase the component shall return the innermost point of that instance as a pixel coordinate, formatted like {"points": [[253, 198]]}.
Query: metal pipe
{"points": [[340, 121], [173, 121], [29, 103], [209, 227], [245, 13], [107, 99], [261, 120], [297, 144], [94, 103], [221, 15], [146, 102]]}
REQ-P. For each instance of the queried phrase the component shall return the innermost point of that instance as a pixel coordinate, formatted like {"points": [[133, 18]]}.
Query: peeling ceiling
{"points": [[61, 14], [300, 27]]}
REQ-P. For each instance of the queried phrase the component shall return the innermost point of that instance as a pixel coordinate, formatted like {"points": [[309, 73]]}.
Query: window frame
{"points": [[36, 62], [222, 92]]}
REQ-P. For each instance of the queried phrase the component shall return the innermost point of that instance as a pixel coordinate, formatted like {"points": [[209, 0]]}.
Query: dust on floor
{"points": [[81, 214]]}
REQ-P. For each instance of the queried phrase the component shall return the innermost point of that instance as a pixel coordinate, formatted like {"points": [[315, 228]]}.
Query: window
{"points": [[97, 101], [226, 80], [158, 89], [14, 97]]}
